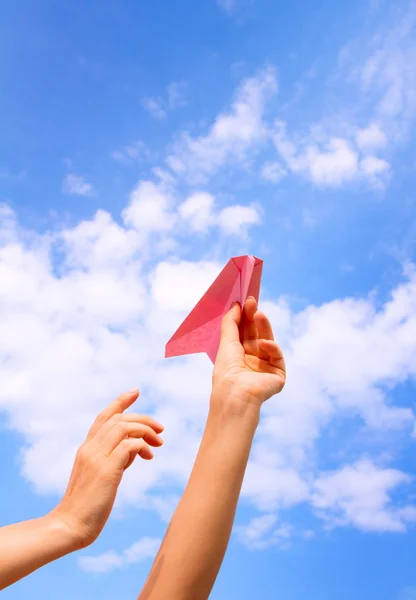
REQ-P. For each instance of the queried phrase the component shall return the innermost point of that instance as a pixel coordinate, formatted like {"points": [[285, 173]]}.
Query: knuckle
{"points": [[79, 459], [115, 418], [86, 457], [125, 444], [101, 418], [121, 428], [82, 453]]}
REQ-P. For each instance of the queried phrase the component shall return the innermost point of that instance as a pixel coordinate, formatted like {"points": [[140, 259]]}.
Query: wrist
{"points": [[228, 406], [63, 531]]}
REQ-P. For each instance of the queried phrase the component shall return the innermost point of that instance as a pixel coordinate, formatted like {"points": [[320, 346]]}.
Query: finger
{"points": [[124, 430], [275, 354], [145, 419], [230, 324], [145, 453], [127, 418], [273, 384], [263, 326], [117, 419], [125, 453], [119, 405], [248, 325]]}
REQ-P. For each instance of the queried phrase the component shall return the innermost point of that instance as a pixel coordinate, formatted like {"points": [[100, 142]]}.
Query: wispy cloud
{"points": [[227, 5], [77, 185], [177, 94], [359, 495], [131, 153], [379, 65], [155, 107], [330, 163], [408, 593], [232, 136], [175, 98], [372, 111], [263, 532], [108, 561], [273, 171]]}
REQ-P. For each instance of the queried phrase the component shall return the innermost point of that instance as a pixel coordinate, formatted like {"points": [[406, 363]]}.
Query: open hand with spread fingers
{"points": [[115, 439]]}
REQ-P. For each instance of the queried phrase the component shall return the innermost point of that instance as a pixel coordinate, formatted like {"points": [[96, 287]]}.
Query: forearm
{"points": [[192, 552], [27, 546]]}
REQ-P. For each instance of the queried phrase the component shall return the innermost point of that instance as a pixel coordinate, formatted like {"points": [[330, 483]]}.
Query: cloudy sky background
{"points": [[142, 146]]}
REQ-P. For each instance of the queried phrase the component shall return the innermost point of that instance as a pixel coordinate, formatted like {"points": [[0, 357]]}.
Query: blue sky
{"points": [[142, 146]]}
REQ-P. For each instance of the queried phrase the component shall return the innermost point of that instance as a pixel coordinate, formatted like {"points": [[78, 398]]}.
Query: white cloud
{"points": [[150, 207], [263, 532], [233, 134], [235, 219], [102, 316], [252, 533], [154, 107], [273, 171], [169, 276], [271, 486], [332, 166], [198, 211], [371, 165], [108, 561], [100, 244], [332, 162], [77, 185], [153, 208], [386, 71], [359, 495], [375, 170], [371, 137], [378, 65], [103, 563], [374, 72]]}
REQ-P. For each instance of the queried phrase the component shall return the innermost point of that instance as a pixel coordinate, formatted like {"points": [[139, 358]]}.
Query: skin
{"points": [[112, 444], [248, 370]]}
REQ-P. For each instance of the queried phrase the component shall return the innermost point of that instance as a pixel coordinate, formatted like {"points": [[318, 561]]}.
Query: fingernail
{"points": [[133, 391], [234, 304]]}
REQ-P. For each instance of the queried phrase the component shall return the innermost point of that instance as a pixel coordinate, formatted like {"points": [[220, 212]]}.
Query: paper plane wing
{"points": [[200, 331]]}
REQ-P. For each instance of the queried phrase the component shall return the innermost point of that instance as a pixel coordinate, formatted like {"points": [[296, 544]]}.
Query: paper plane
{"points": [[200, 331]]}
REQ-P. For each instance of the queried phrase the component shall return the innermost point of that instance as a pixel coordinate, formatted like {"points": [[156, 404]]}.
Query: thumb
{"points": [[230, 324]]}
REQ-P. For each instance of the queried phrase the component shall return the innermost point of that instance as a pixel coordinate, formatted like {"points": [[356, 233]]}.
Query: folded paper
{"points": [[200, 331]]}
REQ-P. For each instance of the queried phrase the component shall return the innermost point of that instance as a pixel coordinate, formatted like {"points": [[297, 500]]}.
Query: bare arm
{"points": [[245, 375], [112, 444], [27, 546]]}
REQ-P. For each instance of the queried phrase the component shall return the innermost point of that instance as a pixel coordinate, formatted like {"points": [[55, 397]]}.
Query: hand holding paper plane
{"points": [[200, 331]]}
